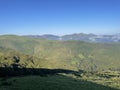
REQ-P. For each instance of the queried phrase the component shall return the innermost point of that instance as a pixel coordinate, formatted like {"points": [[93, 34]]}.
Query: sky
{"points": [[59, 17]]}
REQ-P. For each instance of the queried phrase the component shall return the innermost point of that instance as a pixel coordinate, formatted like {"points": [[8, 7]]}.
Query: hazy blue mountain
{"points": [[46, 36], [81, 36]]}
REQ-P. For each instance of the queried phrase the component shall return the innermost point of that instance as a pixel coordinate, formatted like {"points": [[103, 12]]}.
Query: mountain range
{"points": [[81, 37], [59, 54]]}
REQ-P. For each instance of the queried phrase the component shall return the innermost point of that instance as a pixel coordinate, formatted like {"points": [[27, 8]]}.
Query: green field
{"points": [[57, 82]]}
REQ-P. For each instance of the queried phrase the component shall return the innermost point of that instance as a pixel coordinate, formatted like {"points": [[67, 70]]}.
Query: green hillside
{"points": [[40, 64], [57, 82], [72, 55]]}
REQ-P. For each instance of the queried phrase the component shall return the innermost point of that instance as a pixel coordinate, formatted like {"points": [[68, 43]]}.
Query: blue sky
{"points": [[59, 17]]}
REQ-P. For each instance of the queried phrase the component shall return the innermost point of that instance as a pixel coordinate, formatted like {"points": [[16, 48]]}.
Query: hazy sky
{"points": [[59, 16]]}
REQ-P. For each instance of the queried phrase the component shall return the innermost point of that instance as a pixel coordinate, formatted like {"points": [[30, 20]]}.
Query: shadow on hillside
{"points": [[9, 72], [65, 81]]}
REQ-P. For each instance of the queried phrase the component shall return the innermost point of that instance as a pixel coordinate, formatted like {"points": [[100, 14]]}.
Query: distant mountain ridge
{"points": [[81, 37]]}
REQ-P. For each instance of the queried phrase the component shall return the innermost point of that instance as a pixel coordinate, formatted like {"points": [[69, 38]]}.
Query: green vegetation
{"points": [[72, 55], [95, 66], [56, 82]]}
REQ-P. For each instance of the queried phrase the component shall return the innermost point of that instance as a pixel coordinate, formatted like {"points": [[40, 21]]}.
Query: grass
{"points": [[111, 78], [54, 82]]}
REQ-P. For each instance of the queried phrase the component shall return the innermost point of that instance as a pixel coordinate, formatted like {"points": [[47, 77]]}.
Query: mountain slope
{"points": [[75, 55]]}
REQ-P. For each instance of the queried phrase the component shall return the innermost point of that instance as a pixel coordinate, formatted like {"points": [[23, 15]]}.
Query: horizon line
{"points": [[57, 34]]}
